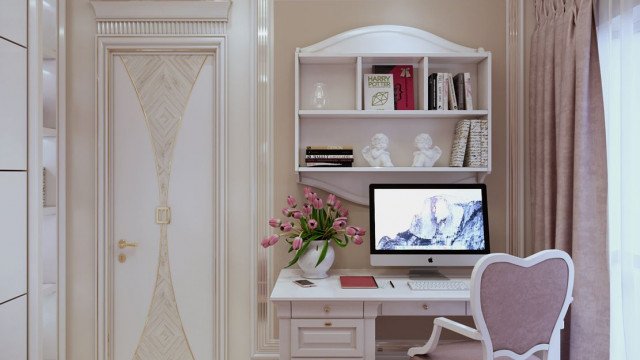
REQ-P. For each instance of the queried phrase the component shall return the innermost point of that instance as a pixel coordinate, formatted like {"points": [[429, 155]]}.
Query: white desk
{"points": [[329, 322]]}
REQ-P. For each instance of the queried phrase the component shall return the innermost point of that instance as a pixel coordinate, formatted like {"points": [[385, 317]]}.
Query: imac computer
{"points": [[427, 226]]}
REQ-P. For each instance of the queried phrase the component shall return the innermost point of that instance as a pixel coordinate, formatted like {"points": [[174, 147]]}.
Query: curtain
{"points": [[619, 42], [569, 164]]}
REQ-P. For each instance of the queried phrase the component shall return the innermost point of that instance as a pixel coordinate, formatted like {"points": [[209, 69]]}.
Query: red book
{"points": [[402, 84], [358, 282]]}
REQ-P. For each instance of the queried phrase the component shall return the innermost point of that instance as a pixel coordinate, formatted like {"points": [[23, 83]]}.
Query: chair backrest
{"points": [[518, 304]]}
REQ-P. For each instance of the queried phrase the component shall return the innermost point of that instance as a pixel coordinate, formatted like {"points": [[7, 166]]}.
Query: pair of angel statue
{"points": [[376, 154]]}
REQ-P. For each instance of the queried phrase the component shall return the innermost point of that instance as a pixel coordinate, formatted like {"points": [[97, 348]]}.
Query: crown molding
{"points": [[161, 10]]}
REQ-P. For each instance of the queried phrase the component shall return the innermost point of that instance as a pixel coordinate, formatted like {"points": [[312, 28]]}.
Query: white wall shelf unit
{"points": [[340, 63]]}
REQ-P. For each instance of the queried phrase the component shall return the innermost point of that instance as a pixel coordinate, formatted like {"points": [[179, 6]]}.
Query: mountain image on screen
{"points": [[444, 223]]}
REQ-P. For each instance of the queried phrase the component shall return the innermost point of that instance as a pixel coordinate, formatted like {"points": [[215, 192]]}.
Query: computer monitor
{"points": [[428, 225]]}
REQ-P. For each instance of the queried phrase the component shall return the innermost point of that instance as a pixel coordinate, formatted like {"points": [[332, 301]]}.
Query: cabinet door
{"points": [[334, 338], [13, 329], [13, 21], [13, 239], [13, 106]]}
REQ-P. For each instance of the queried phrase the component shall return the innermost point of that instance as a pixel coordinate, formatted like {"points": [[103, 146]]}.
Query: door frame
{"points": [[107, 48]]}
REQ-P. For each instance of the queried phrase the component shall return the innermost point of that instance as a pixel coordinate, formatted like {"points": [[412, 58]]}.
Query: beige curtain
{"points": [[568, 164]]}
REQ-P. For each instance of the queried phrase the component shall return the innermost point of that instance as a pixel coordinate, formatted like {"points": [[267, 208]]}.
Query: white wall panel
{"points": [[13, 106], [13, 329], [13, 238], [13, 20]]}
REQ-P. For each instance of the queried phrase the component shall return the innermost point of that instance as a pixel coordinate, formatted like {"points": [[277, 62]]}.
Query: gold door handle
{"points": [[125, 244]]}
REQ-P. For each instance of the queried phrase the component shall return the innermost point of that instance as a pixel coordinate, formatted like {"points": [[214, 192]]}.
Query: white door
{"points": [[162, 205]]}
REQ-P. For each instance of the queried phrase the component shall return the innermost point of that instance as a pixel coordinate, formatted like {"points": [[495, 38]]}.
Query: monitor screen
{"points": [[428, 219]]}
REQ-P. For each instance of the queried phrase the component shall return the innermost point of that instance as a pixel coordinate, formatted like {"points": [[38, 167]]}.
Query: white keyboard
{"points": [[437, 285]]}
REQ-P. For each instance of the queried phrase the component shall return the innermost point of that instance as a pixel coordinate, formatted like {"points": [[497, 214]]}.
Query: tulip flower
{"points": [[291, 201], [286, 227], [297, 214], [357, 239], [361, 231], [297, 243], [306, 191], [343, 212], [286, 212], [312, 224], [265, 242], [307, 209], [331, 200], [274, 223], [273, 239], [339, 224], [352, 230], [338, 205], [317, 203]]}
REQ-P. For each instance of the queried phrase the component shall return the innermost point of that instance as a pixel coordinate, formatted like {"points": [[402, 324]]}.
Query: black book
{"points": [[458, 85], [432, 92], [329, 152]]}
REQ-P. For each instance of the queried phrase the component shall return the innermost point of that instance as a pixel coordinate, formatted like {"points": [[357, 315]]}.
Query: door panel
{"points": [[162, 147], [13, 222], [13, 106], [13, 329], [13, 21]]}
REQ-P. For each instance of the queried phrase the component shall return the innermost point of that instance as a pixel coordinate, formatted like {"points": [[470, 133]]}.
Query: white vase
{"points": [[307, 262]]}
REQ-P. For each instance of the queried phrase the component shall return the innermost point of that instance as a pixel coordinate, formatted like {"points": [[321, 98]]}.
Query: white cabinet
{"points": [[13, 329], [13, 21], [13, 106], [13, 239]]}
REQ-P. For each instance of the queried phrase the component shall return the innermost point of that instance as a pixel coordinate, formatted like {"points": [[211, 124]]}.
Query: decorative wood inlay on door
{"points": [[163, 84]]}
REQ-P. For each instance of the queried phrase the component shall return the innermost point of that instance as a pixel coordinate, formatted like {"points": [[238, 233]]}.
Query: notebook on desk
{"points": [[358, 282]]}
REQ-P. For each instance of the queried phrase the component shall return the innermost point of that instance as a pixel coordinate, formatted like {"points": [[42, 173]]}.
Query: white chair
{"points": [[518, 306]]}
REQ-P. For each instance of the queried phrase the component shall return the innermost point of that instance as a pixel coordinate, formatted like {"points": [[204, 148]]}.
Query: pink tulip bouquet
{"points": [[314, 220]]}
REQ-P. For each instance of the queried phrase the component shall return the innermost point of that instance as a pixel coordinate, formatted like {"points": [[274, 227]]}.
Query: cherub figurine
{"points": [[376, 154], [427, 154]]}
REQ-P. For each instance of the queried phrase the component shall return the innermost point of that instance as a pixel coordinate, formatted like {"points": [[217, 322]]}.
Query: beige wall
{"points": [[81, 164], [469, 23]]}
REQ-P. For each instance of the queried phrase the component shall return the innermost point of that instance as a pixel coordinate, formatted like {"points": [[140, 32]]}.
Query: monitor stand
{"points": [[428, 273]]}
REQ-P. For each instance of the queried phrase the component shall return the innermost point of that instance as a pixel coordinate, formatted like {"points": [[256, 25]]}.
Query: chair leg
{"points": [[429, 345], [554, 347]]}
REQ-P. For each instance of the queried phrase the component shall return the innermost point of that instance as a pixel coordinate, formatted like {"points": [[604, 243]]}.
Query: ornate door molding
{"points": [[170, 30]]}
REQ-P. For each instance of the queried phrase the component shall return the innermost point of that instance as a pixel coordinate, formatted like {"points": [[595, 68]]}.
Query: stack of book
{"points": [[448, 92], [470, 144], [329, 156]]}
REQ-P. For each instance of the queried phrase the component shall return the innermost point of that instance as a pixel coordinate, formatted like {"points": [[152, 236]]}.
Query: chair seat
{"points": [[463, 350]]}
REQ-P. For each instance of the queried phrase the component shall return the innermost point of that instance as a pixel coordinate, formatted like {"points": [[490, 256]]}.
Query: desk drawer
{"points": [[326, 310], [322, 338], [424, 308]]}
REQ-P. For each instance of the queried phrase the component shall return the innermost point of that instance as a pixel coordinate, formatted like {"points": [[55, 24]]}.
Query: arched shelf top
{"points": [[386, 39]]}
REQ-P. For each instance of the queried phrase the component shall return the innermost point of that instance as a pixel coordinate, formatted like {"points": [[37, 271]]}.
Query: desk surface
{"points": [[329, 288]]}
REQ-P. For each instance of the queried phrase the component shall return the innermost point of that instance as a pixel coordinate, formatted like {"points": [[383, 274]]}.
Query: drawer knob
{"points": [[326, 308], [328, 323], [425, 306]]}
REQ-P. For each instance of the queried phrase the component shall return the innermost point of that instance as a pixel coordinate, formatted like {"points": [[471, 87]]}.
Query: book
{"points": [[440, 99], [458, 84], [330, 147], [459, 146], [452, 103], [432, 91], [329, 156], [358, 282], [329, 164], [403, 96], [328, 152], [477, 144], [378, 92], [468, 98]]}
